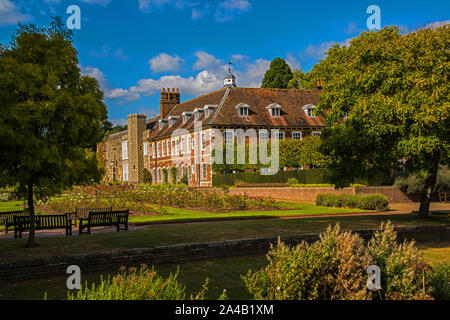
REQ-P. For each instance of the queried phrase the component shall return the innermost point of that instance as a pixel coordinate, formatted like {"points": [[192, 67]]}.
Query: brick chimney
{"points": [[168, 101]]}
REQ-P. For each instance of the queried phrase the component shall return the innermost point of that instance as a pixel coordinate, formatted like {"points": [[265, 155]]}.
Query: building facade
{"points": [[184, 134]]}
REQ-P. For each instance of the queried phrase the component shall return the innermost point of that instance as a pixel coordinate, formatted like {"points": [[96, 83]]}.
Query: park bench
{"points": [[104, 219], [444, 196], [81, 213], [42, 222], [7, 218]]}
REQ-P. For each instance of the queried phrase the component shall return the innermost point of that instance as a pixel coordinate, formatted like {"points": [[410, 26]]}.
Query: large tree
{"points": [[386, 97], [50, 115], [278, 75]]}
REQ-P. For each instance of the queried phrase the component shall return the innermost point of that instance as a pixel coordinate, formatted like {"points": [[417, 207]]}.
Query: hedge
{"points": [[315, 176], [365, 202]]}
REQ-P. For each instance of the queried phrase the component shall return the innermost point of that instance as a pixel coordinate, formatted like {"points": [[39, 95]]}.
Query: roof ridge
{"points": [[225, 96]]}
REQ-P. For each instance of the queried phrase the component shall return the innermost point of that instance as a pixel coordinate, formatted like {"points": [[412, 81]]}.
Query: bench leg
{"points": [[6, 228]]}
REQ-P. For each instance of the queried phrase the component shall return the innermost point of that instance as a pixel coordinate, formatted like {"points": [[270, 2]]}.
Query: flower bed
{"points": [[150, 199]]}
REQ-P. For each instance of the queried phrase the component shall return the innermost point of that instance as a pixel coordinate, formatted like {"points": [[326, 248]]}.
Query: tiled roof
{"points": [[258, 99]]}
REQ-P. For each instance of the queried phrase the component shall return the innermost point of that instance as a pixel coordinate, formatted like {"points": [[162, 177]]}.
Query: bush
{"points": [[147, 177], [415, 182], [173, 175], [292, 181], [365, 202], [334, 268], [184, 180], [439, 281], [315, 176], [165, 176], [133, 284]]}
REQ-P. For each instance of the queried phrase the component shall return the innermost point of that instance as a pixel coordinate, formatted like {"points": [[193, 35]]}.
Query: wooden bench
{"points": [[7, 218], [42, 222], [104, 219], [84, 212]]}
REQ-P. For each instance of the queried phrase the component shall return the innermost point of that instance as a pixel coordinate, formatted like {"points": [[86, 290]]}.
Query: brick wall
{"points": [[56, 266]]}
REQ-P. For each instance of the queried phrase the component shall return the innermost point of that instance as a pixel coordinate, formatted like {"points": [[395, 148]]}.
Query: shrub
{"points": [[365, 202], [147, 177], [133, 284], [173, 175], [329, 269], [415, 182], [165, 176], [292, 181], [334, 268], [439, 281], [184, 180]]}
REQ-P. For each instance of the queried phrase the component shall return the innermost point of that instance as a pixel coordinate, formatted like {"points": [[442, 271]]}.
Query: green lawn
{"points": [[11, 206], [293, 209], [223, 274], [159, 235]]}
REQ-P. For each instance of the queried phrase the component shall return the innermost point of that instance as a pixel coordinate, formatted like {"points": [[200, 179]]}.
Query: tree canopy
{"points": [[51, 114], [278, 75], [385, 98]]}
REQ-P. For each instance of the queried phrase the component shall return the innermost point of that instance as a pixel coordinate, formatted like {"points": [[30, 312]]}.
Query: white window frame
{"points": [[275, 112], [158, 149], [297, 133], [203, 142], [316, 133], [183, 145], [264, 133], [226, 133], [204, 171], [154, 150], [125, 175], [188, 144], [163, 149], [177, 145], [145, 148], [125, 150], [168, 149], [281, 135]]}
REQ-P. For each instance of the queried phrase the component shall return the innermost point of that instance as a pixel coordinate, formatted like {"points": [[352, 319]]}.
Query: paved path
{"points": [[396, 208]]}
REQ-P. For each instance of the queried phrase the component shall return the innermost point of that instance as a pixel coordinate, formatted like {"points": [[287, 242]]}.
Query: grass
{"points": [[293, 209], [159, 235], [223, 274], [11, 206]]}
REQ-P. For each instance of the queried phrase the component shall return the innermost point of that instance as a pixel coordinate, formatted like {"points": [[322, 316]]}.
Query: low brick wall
{"points": [[56, 266], [393, 194]]}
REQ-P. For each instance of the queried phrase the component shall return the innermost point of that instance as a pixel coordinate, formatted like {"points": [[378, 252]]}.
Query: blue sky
{"points": [[136, 47]]}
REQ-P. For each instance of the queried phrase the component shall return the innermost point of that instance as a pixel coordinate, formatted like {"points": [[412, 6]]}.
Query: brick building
{"points": [[183, 134]]}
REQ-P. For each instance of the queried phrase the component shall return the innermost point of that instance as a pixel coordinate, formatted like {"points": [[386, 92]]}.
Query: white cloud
{"points": [[211, 72], [107, 51], [122, 95], [292, 61], [437, 24], [10, 13], [165, 62], [230, 9], [352, 28], [318, 51]]}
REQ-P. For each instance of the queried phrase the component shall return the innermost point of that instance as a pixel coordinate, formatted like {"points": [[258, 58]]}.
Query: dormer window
{"points": [[309, 110], [197, 113], [172, 120], [162, 123], [275, 110], [208, 109], [186, 116], [243, 109]]}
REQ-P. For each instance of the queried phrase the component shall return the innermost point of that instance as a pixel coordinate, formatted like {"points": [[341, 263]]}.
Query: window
{"points": [[125, 150], [125, 172], [172, 120], [193, 169], [228, 136], [186, 116], [163, 149], [154, 175], [316, 133], [203, 141], [178, 172], [158, 149], [297, 135], [183, 146], [280, 135], [197, 113], [168, 151], [145, 148], [159, 175], [173, 147], [162, 123], [275, 112], [189, 172], [243, 112], [203, 171], [263, 135], [153, 150], [193, 143], [309, 110], [182, 171], [188, 144], [177, 144]]}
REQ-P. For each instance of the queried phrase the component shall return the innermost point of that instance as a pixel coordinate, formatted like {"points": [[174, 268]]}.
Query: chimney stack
{"points": [[319, 84], [168, 101]]}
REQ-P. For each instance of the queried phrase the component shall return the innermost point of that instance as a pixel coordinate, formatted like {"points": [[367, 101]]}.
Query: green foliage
{"points": [[298, 80], [51, 114], [394, 89], [334, 268], [173, 175], [439, 281], [302, 153], [133, 284], [292, 181], [315, 176], [147, 177], [415, 182], [278, 75], [184, 180], [366, 202], [165, 176]]}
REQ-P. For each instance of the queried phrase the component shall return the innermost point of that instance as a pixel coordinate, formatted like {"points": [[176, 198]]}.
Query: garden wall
{"points": [[56, 266], [393, 194]]}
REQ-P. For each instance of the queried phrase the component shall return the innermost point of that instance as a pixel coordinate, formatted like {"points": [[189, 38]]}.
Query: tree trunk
{"points": [[430, 182], [31, 242]]}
